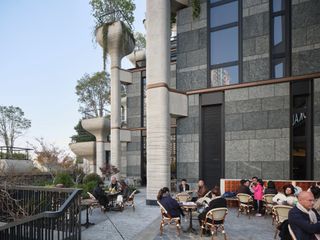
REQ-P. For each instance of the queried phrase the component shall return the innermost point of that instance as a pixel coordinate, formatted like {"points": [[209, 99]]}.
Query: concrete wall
{"points": [[192, 49], [188, 142], [257, 132], [255, 37], [305, 36], [316, 128]]}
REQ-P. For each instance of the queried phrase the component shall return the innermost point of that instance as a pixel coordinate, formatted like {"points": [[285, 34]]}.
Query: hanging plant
{"points": [[105, 29], [196, 8]]}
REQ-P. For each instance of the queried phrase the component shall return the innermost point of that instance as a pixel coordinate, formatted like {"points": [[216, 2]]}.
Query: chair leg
{"points": [[178, 227], [275, 234], [161, 228]]}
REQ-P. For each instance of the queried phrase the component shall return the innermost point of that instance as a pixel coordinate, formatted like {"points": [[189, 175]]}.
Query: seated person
{"points": [[287, 197], [297, 189], [217, 202], [100, 195], [304, 219], [202, 189], [124, 190], [244, 187], [184, 186], [271, 188], [170, 204], [316, 194], [114, 184]]}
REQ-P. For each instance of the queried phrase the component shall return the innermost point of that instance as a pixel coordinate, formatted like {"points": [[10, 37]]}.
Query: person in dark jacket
{"points": [[303, 219], [271, 188], [244, 187], [217, 202], [184, 186], [100, 195], [170, 204]]}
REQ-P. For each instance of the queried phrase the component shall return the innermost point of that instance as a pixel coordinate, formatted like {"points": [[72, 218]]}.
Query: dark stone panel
{"points": [[185, 126], [257, 69], [313, 33], [249, 47], [316, 115], [316, 171], [134, 122], [184, 16], [188, 41], [133, 171], [133, 101], [192, 80], [279, 119], [306, 62], [133, 146], [181, 60], [233, 122], [255, 120], [197, 58], [203, 34], [193, 111], [299, 37], [306, 14], [249, 169], [230, 169], [272, 170], [256, 25]]}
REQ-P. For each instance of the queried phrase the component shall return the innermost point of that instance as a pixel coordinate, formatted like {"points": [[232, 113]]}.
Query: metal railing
{"points": [[14, 153], [114, 15], [53, 214]]}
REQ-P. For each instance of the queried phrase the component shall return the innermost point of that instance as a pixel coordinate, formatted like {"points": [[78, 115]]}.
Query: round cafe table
{"points": [[112, 196], [189, 206]]}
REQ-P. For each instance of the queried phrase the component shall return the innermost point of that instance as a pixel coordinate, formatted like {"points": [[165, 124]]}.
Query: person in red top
{"points": [[257, 196]]}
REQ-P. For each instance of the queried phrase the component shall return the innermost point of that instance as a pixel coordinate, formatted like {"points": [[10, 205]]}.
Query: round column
{"points": [[158, 77]]}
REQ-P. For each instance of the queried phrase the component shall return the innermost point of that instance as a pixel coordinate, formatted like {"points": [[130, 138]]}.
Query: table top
{"points": [[112, 193], [188, 205]]}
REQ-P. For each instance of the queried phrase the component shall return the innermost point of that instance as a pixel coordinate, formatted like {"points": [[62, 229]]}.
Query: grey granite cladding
{"points": [[257, 132], [316, 128]]}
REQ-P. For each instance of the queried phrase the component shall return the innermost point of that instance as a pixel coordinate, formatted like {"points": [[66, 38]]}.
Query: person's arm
{"points": [[296, 219]]}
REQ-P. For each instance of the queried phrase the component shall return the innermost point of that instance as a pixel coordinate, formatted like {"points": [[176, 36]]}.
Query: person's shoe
{"points": [[258, 214]]}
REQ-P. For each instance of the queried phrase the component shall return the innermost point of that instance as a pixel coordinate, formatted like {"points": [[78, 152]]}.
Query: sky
{"points": [[45, 48]]}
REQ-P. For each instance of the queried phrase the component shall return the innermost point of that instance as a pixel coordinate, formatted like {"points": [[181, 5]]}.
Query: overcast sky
{"points": [[45, 47]]}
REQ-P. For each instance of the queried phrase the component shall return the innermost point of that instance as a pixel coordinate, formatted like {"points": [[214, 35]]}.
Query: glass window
{"points": [[224, 46], [300, 101], [278, 68], [224, 76], [278, 30], [224, 14], [278, 5]]}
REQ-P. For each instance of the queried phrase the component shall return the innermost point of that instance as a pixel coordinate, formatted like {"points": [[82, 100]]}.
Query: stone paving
{"points": [[143, 224]]}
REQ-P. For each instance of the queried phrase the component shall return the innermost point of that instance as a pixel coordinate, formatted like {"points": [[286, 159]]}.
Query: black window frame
{"points": [[222, 27], [286, 55]]}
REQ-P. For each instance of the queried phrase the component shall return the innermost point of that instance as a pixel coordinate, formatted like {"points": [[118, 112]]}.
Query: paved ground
{"points": [[143, 224]]}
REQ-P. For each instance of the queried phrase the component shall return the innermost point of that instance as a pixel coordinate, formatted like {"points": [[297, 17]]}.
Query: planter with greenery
{"points": [[138, 56], [113, 26]]}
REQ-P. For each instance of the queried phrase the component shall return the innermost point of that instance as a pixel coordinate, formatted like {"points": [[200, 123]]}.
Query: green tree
{"points": [[94, 94], [12, 125], [104, 11], [140, 40], [82, 134]]}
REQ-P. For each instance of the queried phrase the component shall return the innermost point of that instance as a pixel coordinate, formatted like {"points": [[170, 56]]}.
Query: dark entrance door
{"points": [[211, 164]]}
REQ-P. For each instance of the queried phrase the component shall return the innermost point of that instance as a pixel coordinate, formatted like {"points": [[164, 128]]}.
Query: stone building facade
{"points": [[254, 112]]}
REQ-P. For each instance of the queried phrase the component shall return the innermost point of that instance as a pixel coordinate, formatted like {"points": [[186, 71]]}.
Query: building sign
{"points": [[298, 118]]}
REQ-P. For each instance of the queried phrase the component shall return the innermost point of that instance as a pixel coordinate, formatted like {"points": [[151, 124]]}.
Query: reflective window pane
{"points": [[224, 14], [300, 101], [224, 76], [278, 30], [278, 70], [278, 5], [224, 46]]}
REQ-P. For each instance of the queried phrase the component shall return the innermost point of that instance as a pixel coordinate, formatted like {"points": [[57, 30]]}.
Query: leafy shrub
{"points": [[63, 178], [91, 177], [88, 187]]}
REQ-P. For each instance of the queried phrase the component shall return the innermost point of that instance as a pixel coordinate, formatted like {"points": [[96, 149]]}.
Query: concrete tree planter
{"points": [[137, 56]]}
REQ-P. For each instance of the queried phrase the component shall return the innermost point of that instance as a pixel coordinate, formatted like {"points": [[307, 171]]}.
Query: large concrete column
{"points": [[158, 76], [120, 44]]}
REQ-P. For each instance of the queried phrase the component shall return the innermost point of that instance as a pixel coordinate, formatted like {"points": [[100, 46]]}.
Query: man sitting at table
{"points": [[244, 187], [184, 186], [114, 185], [304, 219], [100, 195], [217, 202]]}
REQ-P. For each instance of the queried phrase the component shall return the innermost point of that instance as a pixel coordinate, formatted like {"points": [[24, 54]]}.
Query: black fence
{"points": [[41, 214], [16, 153]]}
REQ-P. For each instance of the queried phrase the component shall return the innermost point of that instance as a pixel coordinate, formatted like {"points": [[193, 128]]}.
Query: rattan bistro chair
{"points": [[166, 219], [130, 201], [245, 202], [281, 213], [268, 204], [214, 221], [292, 235]]}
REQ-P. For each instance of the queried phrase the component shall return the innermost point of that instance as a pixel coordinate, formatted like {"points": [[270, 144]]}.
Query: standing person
{"points": [[100, 195], [257, 196], [184, 186], [304, 219], [170, 204]]}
